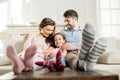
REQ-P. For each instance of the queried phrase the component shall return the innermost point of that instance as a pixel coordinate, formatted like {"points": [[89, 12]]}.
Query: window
{"points": [[10, 13], [109, 18], [3, 14], [3, 20], [15, 13]]}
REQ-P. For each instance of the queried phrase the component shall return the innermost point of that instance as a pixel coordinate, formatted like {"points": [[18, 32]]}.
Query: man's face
{"points": [[70, 22]]}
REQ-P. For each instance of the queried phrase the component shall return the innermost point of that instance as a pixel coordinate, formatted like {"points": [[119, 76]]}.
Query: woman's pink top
{"points": [[39, 41]]}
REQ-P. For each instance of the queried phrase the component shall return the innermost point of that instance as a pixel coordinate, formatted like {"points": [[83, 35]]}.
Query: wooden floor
{"points": [[66, 75]]}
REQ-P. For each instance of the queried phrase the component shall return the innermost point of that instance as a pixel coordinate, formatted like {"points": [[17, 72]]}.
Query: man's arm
{"points": [[69, 46]]}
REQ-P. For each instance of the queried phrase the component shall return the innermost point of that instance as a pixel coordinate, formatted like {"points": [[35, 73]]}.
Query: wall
{"points": [[32, 11], [90, 12], [35, 10]]}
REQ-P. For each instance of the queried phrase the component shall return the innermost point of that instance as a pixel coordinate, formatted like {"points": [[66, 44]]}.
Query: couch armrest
{"points": [[110, 57]]}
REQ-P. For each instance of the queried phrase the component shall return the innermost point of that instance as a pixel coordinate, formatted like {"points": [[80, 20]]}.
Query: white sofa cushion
{"points": [[5, 42], [4, 61], [110, 57]]}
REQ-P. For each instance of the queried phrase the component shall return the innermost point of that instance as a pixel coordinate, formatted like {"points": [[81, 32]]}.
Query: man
{"points": [[82, 40]]}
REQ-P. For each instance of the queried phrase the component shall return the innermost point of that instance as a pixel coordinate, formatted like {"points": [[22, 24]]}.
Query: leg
{"points": [[18, 64], [88, 37], [49, 64], [29, 54], [53, 65], [72, 59], [98, 49], [59, 65], [36, 59], [63, 60]]}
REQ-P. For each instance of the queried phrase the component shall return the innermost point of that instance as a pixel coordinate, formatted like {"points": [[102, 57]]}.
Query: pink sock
{"points": [[18, 64], [49, 64], [58, 57], [29, 53], [39, 63], [59, 65]]}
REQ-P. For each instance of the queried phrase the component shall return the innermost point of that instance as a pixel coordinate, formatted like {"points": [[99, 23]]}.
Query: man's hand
{"points": [[69, 46]]}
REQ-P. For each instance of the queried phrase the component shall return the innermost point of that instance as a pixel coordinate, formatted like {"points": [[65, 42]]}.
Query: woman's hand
{"points": [[52, 55], [47, 52]]}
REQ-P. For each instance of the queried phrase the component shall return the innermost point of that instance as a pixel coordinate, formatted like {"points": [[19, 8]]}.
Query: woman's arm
{"points": [[49, 52]]}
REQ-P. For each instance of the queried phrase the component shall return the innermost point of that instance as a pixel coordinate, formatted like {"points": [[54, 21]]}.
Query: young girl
{"points": [[55, 59]]}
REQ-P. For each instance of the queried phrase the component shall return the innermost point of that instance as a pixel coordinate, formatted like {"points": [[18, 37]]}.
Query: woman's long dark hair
{"points": [[44, 23]]}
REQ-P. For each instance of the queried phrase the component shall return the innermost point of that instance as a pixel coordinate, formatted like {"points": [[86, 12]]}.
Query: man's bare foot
{"points": [[29, 54], [18, 64]]}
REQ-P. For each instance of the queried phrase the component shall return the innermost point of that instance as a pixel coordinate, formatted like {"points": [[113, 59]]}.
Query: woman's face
{"points": [[47, 30], [59, 41]]}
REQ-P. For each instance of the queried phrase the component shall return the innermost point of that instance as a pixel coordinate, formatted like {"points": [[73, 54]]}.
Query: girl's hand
{"points": [[45, 56], [64, 53]]}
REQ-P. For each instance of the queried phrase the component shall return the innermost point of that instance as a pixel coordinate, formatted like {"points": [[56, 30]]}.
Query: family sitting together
{"points": [[73, 47]]}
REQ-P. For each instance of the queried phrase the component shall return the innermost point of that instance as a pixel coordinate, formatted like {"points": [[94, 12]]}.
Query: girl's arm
{"points": [[64, 52], [53, 53], [69, 46]]}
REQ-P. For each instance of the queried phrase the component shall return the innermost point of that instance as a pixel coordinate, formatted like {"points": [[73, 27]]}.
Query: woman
{"points": [[33, 48], [55, 59]]}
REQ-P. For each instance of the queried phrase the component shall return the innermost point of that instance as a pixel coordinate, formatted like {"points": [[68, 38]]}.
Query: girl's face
{"points": [[47, 30], [59, 41]]}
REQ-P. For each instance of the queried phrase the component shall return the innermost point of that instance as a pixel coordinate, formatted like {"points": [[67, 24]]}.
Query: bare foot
{"points": [[18, 64], [29, 53]]}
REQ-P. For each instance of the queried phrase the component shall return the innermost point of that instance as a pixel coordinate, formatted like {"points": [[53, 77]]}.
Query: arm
{"points": [[64, 52], [53, 54], [69, 46], [49, 53]]}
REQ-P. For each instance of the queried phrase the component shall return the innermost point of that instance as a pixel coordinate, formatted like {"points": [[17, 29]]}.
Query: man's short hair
{"points": [[70, 13]]}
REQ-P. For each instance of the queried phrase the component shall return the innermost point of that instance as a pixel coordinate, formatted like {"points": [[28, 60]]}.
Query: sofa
{"points": [[109, 61]]}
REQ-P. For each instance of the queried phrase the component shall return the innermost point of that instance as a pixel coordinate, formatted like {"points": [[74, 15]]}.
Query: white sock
{"points": [[88, 37], [98, 49]]}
